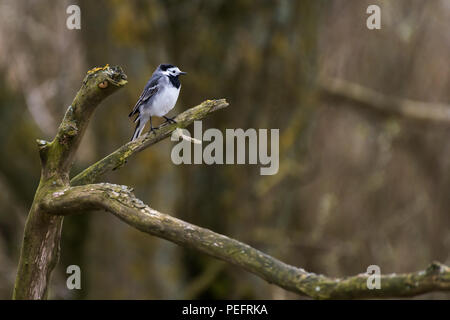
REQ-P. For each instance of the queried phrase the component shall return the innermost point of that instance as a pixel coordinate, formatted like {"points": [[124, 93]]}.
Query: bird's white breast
{"points": [[164, 101]]}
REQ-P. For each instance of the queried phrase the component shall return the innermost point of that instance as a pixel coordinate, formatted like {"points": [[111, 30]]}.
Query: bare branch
{"points": [[55, 198], [41, 242], [119, 157], [120, 201], [416, 110]]}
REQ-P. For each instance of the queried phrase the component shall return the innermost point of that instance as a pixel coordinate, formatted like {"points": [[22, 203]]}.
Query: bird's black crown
{"points": [[165, 66]]}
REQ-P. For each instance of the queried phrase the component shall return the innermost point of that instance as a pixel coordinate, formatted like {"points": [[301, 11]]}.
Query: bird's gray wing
{"points": [[150, 90]]}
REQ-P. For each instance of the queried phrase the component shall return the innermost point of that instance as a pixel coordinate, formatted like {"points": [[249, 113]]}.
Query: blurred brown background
{"points": [[355, 187]]}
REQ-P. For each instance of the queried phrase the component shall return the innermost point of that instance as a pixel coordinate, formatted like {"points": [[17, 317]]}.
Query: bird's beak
{"points": [[183, 73]]}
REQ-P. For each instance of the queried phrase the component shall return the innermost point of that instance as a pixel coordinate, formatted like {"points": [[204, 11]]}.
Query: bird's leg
{"points": [[170, 120], [151, 126]]}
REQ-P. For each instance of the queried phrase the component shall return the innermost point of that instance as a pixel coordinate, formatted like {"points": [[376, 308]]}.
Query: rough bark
{"points": [[120, 201], [40, 247], [56, 197], [119, 157]]}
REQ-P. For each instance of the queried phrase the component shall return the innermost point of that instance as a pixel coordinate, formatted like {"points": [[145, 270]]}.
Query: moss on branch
{"points": [[55, 198], [62, 149], [119, 157], [120, 201], [41, 242]]}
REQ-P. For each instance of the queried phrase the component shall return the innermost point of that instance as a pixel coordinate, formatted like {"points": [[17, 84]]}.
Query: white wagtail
{"points": [[158, 98]]}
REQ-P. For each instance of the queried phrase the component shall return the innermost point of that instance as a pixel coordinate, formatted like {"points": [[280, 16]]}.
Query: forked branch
{"points": [[41, 241], [57, 197]]}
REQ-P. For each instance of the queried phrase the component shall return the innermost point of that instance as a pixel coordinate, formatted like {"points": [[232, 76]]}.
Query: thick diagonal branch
{"points": [[120, 201], [409, 109], [119, 157]]}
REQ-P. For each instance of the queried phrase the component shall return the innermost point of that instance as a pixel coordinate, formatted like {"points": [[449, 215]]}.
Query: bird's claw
{"points": [[170, 120], [153, 130]]}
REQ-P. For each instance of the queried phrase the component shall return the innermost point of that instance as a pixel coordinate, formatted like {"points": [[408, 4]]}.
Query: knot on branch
{"points": [[103, 84], [68, 130]]}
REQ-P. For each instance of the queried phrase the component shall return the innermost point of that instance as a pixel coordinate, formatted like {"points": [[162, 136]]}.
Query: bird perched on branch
{"points": [[158, 98]]}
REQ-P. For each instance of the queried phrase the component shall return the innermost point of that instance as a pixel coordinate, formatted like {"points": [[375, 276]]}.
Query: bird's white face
{"points": [[174, 71]]}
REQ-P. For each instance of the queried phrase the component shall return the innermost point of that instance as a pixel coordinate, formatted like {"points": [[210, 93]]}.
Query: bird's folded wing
{"points": [[150, 90]]}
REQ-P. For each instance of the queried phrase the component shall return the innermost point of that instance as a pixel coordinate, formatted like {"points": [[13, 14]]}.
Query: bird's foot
{"points": [[169, 120], [153, 130]]}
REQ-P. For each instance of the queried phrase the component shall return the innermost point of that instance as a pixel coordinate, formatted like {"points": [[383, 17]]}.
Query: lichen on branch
{"points": [[59, 153], [120, 201], [57, 197], [119, 157], [41, 242]]}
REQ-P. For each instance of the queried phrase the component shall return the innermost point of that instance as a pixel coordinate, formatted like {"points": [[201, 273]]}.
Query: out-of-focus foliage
{"points": [[354, 188]]}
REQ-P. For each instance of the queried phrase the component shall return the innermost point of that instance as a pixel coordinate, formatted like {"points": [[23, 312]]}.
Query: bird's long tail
{"points": [[140, 124]]}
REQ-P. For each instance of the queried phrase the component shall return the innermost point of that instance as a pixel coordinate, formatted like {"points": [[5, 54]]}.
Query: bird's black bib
{"points": [[174, 81]]}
